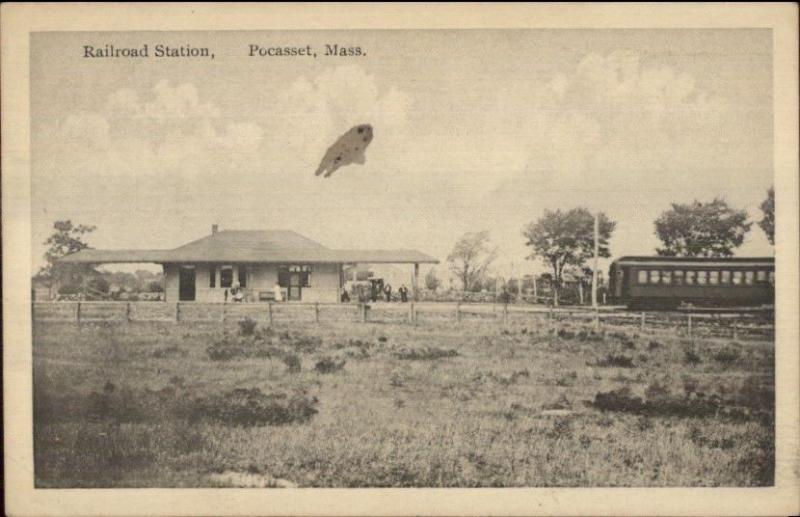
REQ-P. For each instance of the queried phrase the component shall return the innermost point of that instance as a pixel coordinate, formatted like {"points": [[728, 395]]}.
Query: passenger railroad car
{"points": [[670, 282]]}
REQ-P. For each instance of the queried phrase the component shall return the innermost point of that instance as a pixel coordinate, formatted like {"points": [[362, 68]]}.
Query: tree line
{"points": [[564, 239]]}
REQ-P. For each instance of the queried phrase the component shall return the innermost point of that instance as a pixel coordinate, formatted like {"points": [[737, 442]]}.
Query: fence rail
{"points": [[753, 324]]}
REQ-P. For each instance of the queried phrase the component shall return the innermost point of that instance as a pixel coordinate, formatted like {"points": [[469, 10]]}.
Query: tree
{"points": [[471, 258], [67, 238], [768, 222], [563, 239], [701, 229], [432, 282]]}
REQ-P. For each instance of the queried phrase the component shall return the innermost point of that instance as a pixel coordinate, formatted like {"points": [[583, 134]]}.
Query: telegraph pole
{"points": [[594, 269]]}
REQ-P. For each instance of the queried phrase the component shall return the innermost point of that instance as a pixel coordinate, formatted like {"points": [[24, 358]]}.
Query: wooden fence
{"points": [[733, 324]]}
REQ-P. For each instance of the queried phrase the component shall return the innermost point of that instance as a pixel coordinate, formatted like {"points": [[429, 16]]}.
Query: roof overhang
{"points": [[311, 256]]}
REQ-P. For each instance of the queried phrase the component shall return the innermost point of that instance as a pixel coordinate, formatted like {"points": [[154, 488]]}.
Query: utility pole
{"points": [[594, 269]]}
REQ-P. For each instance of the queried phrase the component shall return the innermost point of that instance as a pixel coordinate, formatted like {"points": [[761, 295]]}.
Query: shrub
{"points": [[424, 353], [589, 335], [292, 362], [615, 360], [329, 365], [247, 327], [250, 407], [662, 405], [169, 351], [727, 355], [618, 400], [567, 379], [304, 344], [226, 349], [691, 357]]}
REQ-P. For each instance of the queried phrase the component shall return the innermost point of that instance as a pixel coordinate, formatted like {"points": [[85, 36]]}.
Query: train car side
{"points": [[669, 282]]}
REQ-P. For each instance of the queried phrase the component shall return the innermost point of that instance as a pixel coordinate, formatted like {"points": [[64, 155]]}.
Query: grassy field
{"points": [[391, 405]]}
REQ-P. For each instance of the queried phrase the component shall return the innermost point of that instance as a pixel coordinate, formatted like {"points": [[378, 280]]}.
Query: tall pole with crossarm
{"points": [[594, 269]]}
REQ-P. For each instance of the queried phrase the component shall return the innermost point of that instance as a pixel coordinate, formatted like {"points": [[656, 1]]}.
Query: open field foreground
{"points": [[391, 405]]}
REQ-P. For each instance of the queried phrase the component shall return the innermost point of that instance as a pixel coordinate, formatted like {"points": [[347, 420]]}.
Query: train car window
{"points": [[748, 277], [690, 275], [726, 277], [702, 277], [713, 277], [666, 277], [761, 275], [737, 277], [642, 278], [772, 277], [654, 276], [677, 277]]}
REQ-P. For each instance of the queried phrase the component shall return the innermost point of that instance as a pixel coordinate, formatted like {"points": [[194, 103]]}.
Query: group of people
{"points": [[378, 290]]}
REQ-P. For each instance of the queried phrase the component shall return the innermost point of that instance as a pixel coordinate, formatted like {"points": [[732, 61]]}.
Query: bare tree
{"points": [[471, 258]]}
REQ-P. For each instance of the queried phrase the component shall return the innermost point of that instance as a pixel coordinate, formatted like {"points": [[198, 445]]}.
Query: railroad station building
{"points": [[205, 270]]}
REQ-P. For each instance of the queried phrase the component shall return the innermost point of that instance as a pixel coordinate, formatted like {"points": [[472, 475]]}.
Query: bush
{"points": [[169, 351], [727, 355], [250, 407], [614, 360], [424, 353], [567, 379], [329, 365], [691, 357], [663, 404], [247, 327], [292, 362], [227, 349]]}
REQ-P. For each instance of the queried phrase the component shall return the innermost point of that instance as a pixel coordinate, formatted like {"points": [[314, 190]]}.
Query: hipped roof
{"points": [[241, 246]]}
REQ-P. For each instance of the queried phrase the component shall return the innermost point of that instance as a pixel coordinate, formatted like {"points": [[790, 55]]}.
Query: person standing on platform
{"points": [[403, 293]]}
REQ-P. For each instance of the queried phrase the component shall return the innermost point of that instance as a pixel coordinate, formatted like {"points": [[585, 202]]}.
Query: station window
{"points": [[677, 277], [690, 276], [737, 277], [748, 277], [772, 277], [726, 277], [654, 275], [666, 277], [226, 276], [702, 277], [642, 276], [761, 275], [713, 277]]}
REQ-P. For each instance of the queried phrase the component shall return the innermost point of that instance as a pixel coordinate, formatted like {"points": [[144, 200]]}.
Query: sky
{"points": [[473, 130]]}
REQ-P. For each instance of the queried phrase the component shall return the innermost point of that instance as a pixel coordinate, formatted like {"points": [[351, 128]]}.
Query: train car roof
{"points": [[693, 261]]}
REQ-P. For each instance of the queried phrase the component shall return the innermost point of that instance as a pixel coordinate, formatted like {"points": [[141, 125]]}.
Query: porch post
{"points": [[415, 281]]}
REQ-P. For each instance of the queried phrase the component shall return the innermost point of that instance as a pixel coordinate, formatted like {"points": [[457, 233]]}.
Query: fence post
{"points": [[596, 319], [689, 324], [458, 311], [269, 310], [735, 328], [177, 312], [505, 313], [316, 312], [549, 319], [128, 312], [644, 319], [78, 314], [413, 314], [224, 311]]}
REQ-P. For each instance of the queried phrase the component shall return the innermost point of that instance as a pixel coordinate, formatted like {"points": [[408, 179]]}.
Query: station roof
{"points": [[694, 261], [242, 246]]}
